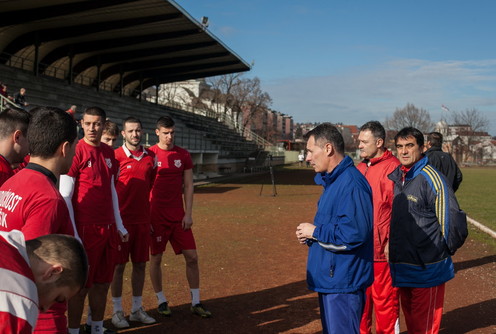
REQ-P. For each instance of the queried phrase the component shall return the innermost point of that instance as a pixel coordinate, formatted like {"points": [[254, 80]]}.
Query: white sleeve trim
{"points": [[66, 188]]}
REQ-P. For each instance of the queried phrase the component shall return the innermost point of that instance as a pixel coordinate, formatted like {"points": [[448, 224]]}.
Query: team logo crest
{"points": [[109, 162], [177, 163]]}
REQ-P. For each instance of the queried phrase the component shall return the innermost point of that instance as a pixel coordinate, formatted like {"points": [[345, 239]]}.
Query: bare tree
{"points": [[221, 95], [252, 100], [238, 95], [168, 94], [471, 117], [410, 116]]}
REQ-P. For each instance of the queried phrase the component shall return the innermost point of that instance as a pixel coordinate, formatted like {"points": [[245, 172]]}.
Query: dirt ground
{"points": [[253, 269]]}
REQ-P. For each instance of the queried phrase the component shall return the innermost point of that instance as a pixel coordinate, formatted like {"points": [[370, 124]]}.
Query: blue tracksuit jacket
{"points": [[340, 261]]}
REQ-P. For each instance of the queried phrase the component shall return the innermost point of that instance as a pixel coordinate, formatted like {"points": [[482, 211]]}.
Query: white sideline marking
{"points": [[482, 227]]}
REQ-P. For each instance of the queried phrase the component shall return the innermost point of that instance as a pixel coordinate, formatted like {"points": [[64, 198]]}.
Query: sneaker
{"points": [[164, 309], [200, 310], [141, 316], [119, 320], [87, 329]]}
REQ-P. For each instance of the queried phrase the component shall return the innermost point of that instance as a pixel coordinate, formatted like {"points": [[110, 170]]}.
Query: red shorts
{"points": [[100, 243], [179, 238], [138, 246]]}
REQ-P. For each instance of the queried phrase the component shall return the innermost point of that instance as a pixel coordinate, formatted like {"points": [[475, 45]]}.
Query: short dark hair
{"points": [[49, 128], [131, 119], [327, 133], [13, 119], [435, 138], [67, 251], [95, 111], [410, 132], [375, 128], [165, 122], [111, 128]]}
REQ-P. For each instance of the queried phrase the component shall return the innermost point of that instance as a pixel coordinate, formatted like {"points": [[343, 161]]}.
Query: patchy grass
{"points": [[477, 197]]}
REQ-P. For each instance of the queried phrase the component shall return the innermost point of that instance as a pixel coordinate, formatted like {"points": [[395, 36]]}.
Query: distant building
{"points": [[467, 146]]}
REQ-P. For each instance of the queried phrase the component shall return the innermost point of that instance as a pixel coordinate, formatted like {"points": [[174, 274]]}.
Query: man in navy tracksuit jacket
{"points": [[340, 257], [427, 227]]}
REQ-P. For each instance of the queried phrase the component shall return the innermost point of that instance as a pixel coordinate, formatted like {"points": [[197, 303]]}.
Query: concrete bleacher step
{"points": [[195, 132]]}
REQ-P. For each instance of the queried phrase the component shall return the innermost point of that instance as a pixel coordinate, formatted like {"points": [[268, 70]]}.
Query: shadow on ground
{"points": [[282, 176], [461, 320], [475, 263], [274, 310]]}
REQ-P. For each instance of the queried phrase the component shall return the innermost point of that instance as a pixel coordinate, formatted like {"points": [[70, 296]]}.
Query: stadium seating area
{"points": [[214, 146]]}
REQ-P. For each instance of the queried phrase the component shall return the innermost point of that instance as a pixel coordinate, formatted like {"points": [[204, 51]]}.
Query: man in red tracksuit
{"points": [[377, 163]]}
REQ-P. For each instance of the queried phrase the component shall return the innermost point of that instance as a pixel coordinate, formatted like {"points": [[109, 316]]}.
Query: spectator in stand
{"points": [[72, 111], [378, 162], [443, 161], [89, 191], [14, 145], [35, 274], [427, 227], [136, 175], [110, 133], [3, 90], [4, 94], [20, 98]]}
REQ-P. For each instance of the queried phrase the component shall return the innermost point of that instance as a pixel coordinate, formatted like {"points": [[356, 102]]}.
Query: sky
{"points": [[352, 61]]}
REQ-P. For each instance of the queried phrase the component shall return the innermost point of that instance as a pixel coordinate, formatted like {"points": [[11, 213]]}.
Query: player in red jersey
{"points": [[30, 200], [35, 274], [110, 133], [136, 175], [14, 145], [90, 194], [170, 220]]}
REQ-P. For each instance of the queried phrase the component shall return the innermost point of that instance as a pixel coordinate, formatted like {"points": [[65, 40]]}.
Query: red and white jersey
{"points": [[93, 168], [6, 170], [167, 191], [136, 175], [30, 202], [18, 293]]}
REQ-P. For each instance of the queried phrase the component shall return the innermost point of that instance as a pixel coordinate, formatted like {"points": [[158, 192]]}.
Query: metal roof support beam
{"points": [[36, 62], [70, 77], [121, 86], [98, 77], [141, 88], [156, 92]]}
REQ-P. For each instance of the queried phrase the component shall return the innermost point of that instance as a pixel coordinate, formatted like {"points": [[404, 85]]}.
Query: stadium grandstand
{"points": [[107, 52]]}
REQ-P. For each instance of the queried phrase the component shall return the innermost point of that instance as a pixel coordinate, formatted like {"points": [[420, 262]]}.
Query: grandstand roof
{"points": [[112, 44]]}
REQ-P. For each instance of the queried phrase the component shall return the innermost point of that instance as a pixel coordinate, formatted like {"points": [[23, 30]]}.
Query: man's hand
{"points": [[386, 251], [187, 222], [124, 237], [304, 231]]}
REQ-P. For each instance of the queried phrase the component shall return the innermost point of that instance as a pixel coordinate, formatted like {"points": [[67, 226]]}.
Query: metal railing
{"points": [[6, 103]]}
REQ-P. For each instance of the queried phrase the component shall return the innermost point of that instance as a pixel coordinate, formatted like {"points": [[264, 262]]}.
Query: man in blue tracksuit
{"points": [[427, 227], [340, 257]]}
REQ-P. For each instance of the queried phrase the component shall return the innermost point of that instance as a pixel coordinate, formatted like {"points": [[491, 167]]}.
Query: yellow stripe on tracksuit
{"points": [[440, 198]]}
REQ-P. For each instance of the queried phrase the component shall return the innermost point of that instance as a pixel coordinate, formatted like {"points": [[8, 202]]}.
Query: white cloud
{"points": [[356, 95]]}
